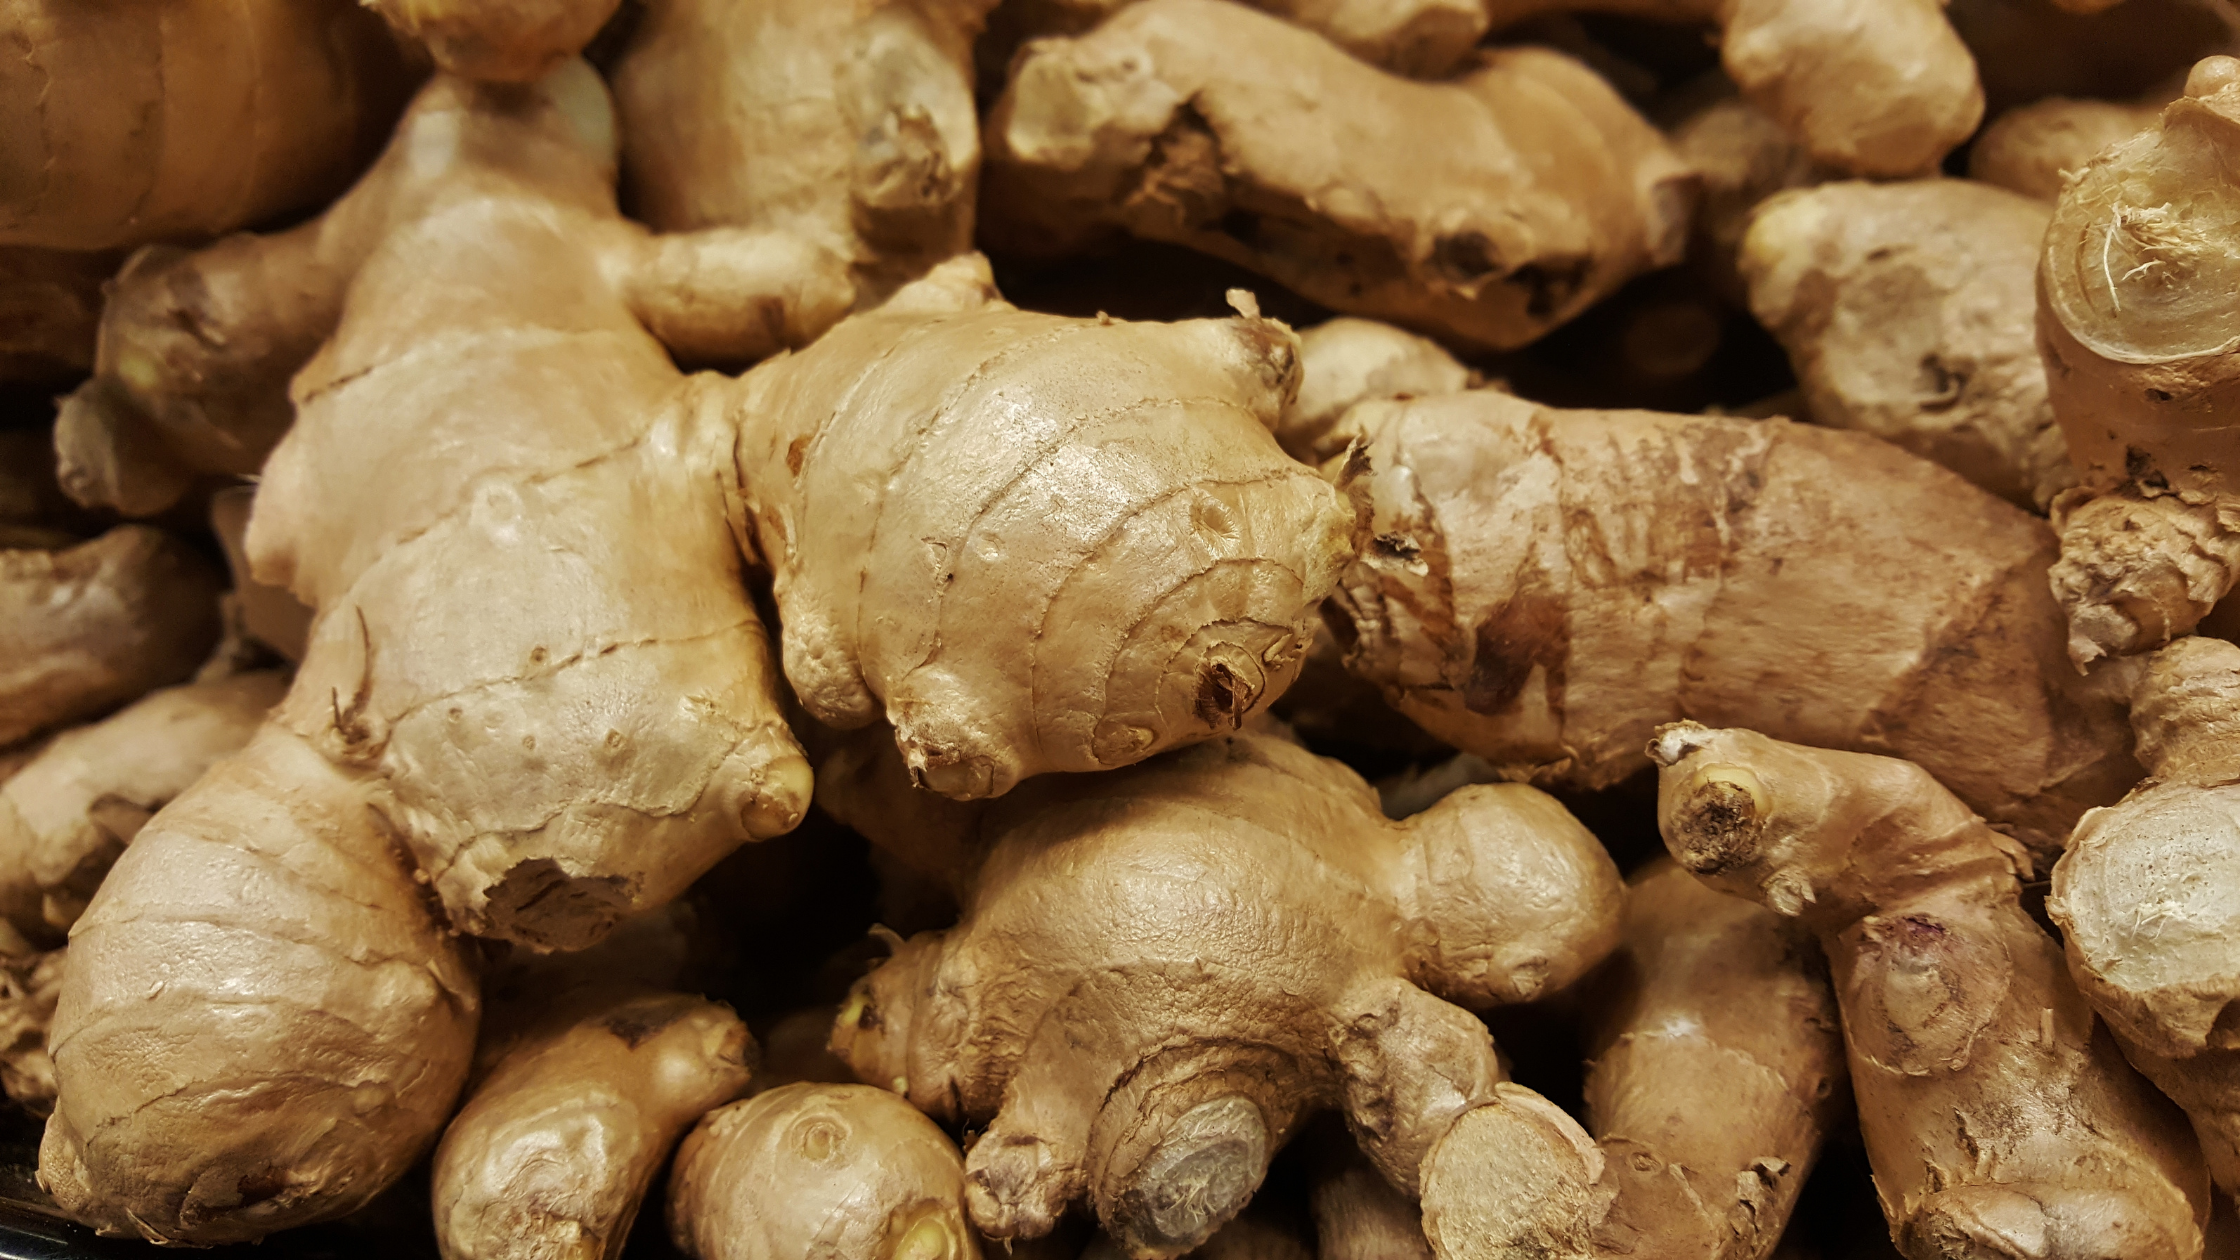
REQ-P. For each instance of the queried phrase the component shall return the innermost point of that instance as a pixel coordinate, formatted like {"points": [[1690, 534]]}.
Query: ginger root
{"points": [[1484, 211], [847, 128], [29, 986], [1544, 588], [2137, 327], [145, 120], [587, 1077], [264, 1021], [1345, 361], [499, 41], [1907, 310], [1998, 1120], [842, 1171], [1034, 543], [2146, 896], [2036, 149], [1162, 970], [68, 813], [86, 627], [50, 309]]}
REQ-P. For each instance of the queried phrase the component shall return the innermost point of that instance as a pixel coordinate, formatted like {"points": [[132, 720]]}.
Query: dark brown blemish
{"points": [[1530, 630]]}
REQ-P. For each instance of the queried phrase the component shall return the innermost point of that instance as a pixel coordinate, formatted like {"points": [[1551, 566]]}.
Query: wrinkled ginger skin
{"points": [[2035, 149], [1485, 210], [1716, 1071], [560, 1138], [842, 1171], [265, 1021], [29, 986], [1544, 588], [1999, 1119], [1908, 311], [142, 120], [1876, 88], [499, 41], [1035, 543], [2137, 327], [2148, 896], [68, 813], [463, 452], [88, 627], [847, 125], [1160, 971]]}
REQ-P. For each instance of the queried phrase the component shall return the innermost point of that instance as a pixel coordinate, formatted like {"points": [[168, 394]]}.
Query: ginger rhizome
{"points": [[1485, 210], [1544, 588], [264, 1021], [50, 308], [807, 1169], [2148, 895], [68, 813], [1161, 971], [1345, 361], [1907, 310], [1999, 1120], [508, 702], [587, 1076], [2137, 326], [844, 128], [145, 120], [499, 41], [1035, 543], [29, 986], [2035, 149], [87, 626]]}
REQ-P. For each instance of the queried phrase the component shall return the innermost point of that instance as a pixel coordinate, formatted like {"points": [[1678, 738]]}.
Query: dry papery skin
{"points": [[265, 1020], [1907, 310], [142, 120], [1544, 588], [586, 1078], [1161, 971], [68, 813], [50, 306], [1999, 1121], [847, 125], [848, 1172], [2139, 334], [85, 627], [1035, 543], [1484, 211], [2148, 896], [520, 411], [1717, 1070], [1344, 361], [29, 985], [2035, 149], [542, 720]]}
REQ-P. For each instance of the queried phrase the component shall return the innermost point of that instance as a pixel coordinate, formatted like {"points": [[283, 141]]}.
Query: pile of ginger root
{"points": [[1073, 629]]}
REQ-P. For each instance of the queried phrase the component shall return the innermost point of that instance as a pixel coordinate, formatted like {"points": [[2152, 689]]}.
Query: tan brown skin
{"points": [[1717, 1071], [535, 775], [265, 613], [2000, 1120], [845, 1171], [1089, 549], [146, 120], [499, 41], [1438, 207], [540, 810], [68, 813], [2147, 893], [574, 1112], [1907, 310], [89, 626], [29, 985], [1742, 156], [846, 125], [1357, 1214], [1544, 588], [272, 894], [1161, 971], [2034, 149], [1344, 361], [2137, 332]]}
